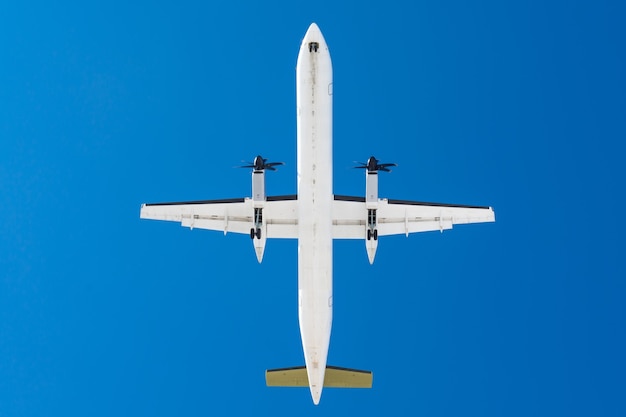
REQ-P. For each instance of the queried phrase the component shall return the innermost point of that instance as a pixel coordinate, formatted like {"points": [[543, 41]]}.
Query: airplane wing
{"points": [[394, 217], [280, 215]]}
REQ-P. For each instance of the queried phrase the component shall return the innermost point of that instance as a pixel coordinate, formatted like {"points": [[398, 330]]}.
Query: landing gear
{"points": [[372, 232], [258, 221], [255, 233]]}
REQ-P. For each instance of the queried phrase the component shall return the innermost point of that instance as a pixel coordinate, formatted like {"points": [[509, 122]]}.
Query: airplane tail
{"points": [[335, 377]]}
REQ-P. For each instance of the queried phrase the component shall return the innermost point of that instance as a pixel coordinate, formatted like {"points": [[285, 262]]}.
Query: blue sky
{"points": [[106, 105]]}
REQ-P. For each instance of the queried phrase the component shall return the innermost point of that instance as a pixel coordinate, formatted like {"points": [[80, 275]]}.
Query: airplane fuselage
{"points": [[314, 80]]}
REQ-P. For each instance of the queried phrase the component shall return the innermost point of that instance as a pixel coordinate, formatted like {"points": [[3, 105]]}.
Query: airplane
{"points": [[315, 216]]}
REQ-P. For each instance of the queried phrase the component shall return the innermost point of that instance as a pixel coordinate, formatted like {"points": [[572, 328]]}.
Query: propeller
{"points": [[372, 165], [261, 163]]}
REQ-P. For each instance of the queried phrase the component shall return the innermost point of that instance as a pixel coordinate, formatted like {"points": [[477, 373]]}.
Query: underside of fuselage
{"points": [[315, 242]]}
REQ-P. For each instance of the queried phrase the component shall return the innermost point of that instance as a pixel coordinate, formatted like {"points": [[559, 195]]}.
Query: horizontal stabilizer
{"points": [[335, 377]]}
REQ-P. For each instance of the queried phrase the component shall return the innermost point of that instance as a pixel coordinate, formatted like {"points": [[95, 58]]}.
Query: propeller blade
{"points": [[372, 165], [261, 163]]}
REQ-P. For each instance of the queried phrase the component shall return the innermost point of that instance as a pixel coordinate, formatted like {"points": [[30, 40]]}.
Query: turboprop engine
{"points": [[257, 231], [372, 166]]}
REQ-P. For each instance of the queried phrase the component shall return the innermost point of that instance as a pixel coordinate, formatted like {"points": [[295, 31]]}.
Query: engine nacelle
{"points": [[259, 228], [257, 232], [371, 204], [371, 243], [258, 187], [259, 237], [372, 166], [371, 189]]}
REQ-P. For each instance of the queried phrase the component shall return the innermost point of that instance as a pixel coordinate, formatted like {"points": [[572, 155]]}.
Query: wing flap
{"points": [[281, 217], [349, 218]]}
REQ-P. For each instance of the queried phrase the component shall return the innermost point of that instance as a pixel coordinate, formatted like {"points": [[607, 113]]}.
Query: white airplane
{"points": [[315, 216]]}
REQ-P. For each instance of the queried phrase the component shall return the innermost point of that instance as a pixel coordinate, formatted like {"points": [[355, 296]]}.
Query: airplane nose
{"points": [[313, 32], [313, 38]]}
